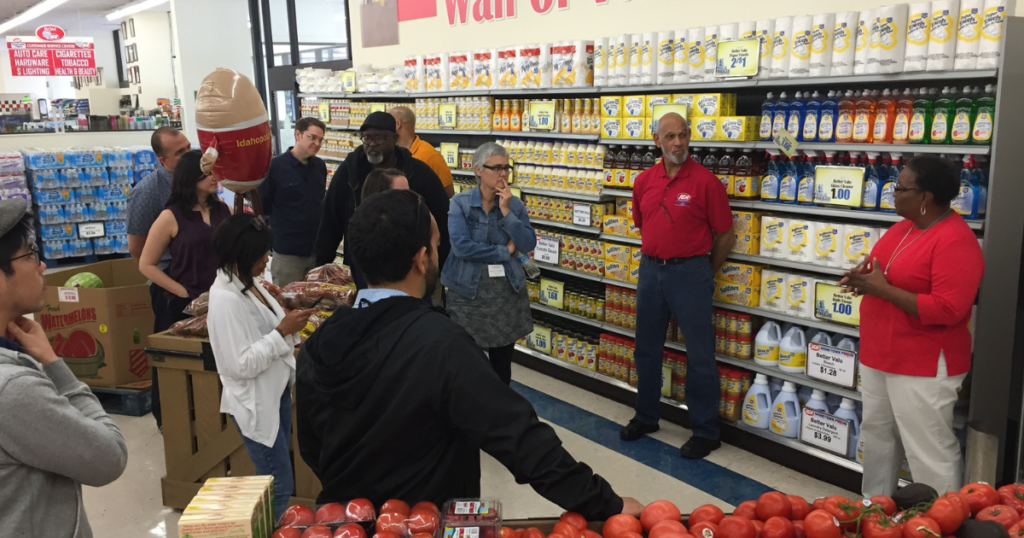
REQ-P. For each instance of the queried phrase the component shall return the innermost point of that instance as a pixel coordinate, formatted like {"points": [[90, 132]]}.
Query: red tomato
{"points": [[668, 526], [507, 532], [386, 535], [778, 527], [735, 527], [1000, 513], [426, 505], [1012, 495], [798, 529], [395, 505], [359, 510], [567, 529], [747, 509], [331, 513], [821, 524], [350, 530], [656, 512], [758, 526], [947, 513], [297, 516], [773, 504], [800, 507], [844, 510], [557, 535], [704, 529], [707, 512], [575, 519], [618, 524], [979, 496], [533, 532], [392, 522], [888, 505], [630, 534], [676, 535], [317, 531], [921, 527], [287, 532], [960, 501], [425, 535], [878, 527], [425, 520], [519, 532], [1016, 531], [587, 533], [818, 504]]}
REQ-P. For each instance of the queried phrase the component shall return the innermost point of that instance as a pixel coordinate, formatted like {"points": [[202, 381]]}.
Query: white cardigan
{"points": [[256, 364]]}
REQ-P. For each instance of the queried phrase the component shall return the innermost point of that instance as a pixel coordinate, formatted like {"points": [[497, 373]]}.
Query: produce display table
{"points": [[200, 442]]}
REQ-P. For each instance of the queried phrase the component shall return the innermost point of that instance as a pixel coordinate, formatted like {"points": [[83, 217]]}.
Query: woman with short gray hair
{"points": [[485, 280]]}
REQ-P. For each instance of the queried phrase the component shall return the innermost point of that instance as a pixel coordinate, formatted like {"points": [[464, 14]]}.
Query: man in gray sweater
{"points": [[54, 434]]}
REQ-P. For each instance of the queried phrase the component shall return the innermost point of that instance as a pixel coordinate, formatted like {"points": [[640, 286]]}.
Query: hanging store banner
{"points": [[63, 57]]}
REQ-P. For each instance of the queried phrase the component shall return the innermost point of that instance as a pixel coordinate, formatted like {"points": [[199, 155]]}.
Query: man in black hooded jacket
{"points": [[379, 150], [394, 400]]}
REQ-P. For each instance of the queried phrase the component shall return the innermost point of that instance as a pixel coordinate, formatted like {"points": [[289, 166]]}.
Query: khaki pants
{"points": [[285, 268], [914, 415]]}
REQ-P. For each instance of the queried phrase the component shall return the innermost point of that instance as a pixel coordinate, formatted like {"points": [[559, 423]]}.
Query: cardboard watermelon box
{"points": [[101, 333]]}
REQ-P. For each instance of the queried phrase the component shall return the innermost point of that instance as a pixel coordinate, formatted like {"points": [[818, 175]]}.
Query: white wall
{"points": [[153, 42], [584, 19]]}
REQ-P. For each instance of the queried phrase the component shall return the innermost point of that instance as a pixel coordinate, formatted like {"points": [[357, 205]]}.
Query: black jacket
{"points": [[396, 401], [345, 193]]}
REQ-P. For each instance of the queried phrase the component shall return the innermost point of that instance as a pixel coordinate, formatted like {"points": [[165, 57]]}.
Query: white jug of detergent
{"points": [[793, 351], [817, 401], [846, 411], [776, 385], [822, 338], [847, 343], [766, 344], [757, 403], [804, 394], [786, 412], [833, 401]]}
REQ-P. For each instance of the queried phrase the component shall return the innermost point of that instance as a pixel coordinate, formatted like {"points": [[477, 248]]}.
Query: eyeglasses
{"points": [[499, 169], [34, 254], [259, 223], [374, 139], [901, 188], [314, 138]]}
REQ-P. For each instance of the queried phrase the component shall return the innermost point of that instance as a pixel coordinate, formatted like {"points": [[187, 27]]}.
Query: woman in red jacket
{"points": [[915, 351]]}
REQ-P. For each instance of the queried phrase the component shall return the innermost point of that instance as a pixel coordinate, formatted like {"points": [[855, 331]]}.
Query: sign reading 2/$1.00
{"points": [[459, 11]]}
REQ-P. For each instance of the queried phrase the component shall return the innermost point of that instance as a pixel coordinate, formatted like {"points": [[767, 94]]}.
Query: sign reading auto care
{"points": [[50, 53]]}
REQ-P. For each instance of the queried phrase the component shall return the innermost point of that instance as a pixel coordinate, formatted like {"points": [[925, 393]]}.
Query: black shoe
{"points": [[636, 429], [698, 447]]}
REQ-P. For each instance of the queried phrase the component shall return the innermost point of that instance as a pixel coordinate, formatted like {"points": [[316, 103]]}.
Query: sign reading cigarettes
{"points": [[49, 57]]}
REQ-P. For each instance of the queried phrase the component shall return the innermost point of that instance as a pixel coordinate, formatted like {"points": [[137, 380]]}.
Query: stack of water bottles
{"points": [[81, 185], [12, 176]]}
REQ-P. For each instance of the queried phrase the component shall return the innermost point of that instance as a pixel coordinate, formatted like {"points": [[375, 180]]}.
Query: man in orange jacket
{"points": [[421, 150]]}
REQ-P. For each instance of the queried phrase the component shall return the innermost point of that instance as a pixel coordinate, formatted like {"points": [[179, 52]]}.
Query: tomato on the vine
{"points": [[821, 524], [747, 509], [1012, 495], [960, 501], [979, 496], [773, 504], [800, 507], [735, 527], [921, 527], [947, 514], [1017, 531], [778, 527], [888, 505], [844, 510], [1000, 513], [880, 527]]}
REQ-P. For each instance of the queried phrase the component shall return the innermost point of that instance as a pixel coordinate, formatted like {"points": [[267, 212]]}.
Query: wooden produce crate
{"points": [[200, 442]]}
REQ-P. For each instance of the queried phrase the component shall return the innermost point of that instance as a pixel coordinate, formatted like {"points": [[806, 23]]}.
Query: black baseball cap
{"points": [[379, 120]]}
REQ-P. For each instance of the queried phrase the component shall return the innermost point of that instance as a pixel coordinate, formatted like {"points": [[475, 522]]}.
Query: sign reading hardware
{"points": [[552, 293], [542, 115], [738, 58], [546, 250], [831, 304], [832, 364], [447, 115], [825, 431], [51, 56], [838, 185], [450, 152]]}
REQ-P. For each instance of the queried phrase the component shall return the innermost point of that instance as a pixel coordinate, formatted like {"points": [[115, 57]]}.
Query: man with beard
{"points": [[683, 211], [395, 400], [380, 150]]}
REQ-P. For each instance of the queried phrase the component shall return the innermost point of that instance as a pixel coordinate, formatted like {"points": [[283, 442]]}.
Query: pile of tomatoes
{"points": [[336, 520]]}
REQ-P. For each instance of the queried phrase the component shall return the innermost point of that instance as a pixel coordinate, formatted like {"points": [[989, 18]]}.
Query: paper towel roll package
{"points": [[942, 38], [635, 58], [711, 37], [695, 39], [827, 251], [601, 62], [582, 60], [746, 30], [666, 57], [485, 69], [773, 289], [507, 70], [729, 32], [460, 71], [622, 44], [800, 47], [862, 51], [875, 45], [968, 34], [234, 130], [766, 33], [799, 243], [799, 295], [844, 43], [781, 47], [822, 28], [414, 74], [681, 58], [649, 58], [992, 25], [774, 231], [919, 30], [892, 38]]}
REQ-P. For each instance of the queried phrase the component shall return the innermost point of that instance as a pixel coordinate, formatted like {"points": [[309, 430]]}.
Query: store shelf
{"points": [[819, 211], [333, 127], [585, 276], [563, 314], [786, 263], [929, 76], [621, 239], [618, 193], [799, 379], [908, 149], [332, 159], [563, 194], [548, 91], [543, 134], [806, 322], [626, 141], [452, 131], [573, 227], [466, 173]]}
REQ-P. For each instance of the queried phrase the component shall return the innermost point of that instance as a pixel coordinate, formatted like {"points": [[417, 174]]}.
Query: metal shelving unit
{"points": [[332, 159], [333, 127], [778, 316], [466, 173], [618, 193], [564, 194], [573, 227], [818, 146], [585, 276], [819, 211], [621, 239], [810, 267]]}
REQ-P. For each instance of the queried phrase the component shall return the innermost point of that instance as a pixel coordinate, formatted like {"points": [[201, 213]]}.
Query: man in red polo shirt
{"points": [[683, 212]]}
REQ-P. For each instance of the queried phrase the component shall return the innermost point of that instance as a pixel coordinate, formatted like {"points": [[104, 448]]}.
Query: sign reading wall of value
{"points": [[542, 115], [738, 59], [552, 293], [51, 56], [447, 115], [450, 152], [838, 185]]}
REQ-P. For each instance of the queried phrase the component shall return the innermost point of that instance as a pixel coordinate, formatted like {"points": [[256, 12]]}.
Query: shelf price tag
{"points": [[552, 293], [738, 58], [67, 295], [540, 339], [546, 250], [89, 230], [542, 115], [786, 143], [825, 431], [324, 111], [348, 81], [447, 115], [581, 214], [450, 152], [831, 304], [838, 185], [831, 364], [378, 107]]}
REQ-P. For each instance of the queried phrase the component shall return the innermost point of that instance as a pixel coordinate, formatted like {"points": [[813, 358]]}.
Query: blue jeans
{"points": [[276, 461], [684, 291]]}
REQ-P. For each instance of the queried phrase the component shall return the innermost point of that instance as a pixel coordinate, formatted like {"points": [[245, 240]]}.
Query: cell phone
{"points": [[317, 301]]}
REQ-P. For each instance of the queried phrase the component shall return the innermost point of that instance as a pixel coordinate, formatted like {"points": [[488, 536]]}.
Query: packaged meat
{"points": [[331, 274], [298, 295], [199, 305], [191, 327]]}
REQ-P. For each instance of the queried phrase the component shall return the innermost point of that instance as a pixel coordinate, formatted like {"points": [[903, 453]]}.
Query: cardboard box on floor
{"points": [[100, 332]]}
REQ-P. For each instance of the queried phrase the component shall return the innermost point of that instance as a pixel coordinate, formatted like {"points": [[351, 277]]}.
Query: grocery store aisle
{"points": [[588, 424]]}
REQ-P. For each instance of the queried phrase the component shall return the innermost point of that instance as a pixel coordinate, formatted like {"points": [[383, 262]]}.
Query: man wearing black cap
{"points": [[379, 150]]}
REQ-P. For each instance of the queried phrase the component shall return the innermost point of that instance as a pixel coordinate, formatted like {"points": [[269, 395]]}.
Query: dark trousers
{"points": [[684, 291], [501, 361], [165, 313]]}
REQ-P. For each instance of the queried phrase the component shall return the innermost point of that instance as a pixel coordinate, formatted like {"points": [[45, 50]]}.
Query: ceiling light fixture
{"points": [[133, 9], [29, 14]]}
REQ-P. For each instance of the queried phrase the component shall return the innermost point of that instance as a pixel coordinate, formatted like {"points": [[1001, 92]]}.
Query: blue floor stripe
{"points": [[704, 475]]}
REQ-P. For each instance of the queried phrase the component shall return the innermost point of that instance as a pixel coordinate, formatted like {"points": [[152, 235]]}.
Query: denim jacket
{"points": [[480, 239]]}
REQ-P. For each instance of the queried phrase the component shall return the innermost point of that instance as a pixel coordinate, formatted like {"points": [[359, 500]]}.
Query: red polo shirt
{"points": [[676, 216]]}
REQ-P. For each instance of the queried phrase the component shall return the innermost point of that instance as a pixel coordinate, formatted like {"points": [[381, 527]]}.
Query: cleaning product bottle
{"points": [[757, 403], [817, 401], [872, 184], [827, 119], [981, 180], [812, 113], [781, 114], [775, 384], [921, 118], [767, 343], [786, 412], [844, 123], [966, 202], [964, 115], [887, 202], [767, 117], [833, 401], [803, 395], [846, 411], [770, 179], [904, 111], [847, 343], [981, 132], [793, 351], [942, 117], [805, 191], [864, 120], [885, 117], [790, 179], [795, 121], [822, 337]]}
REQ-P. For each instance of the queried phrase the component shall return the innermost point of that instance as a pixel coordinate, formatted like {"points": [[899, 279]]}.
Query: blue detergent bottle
{"points": [[767, 117], [981, 179], [781, 114], [790, 180], [872, 184], [817, 401], [786, 412], [827, 118], [812, 113], [805, 190], [795, 118], [848, 411], [770, 179], [887, 201], [775, 384], [966, 202], [757, 403]]}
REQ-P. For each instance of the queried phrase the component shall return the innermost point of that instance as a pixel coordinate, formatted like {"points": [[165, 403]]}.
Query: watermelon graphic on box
{"points": [[81, 352]]}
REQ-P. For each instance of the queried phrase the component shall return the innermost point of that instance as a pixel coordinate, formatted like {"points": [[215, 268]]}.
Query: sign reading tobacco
{"points": [[51, 56]]}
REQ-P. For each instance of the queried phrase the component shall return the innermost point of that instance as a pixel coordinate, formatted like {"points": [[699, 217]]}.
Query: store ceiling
{"points": [[75, 15]]}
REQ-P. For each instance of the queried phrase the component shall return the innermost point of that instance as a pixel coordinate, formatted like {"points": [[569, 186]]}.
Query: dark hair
{"points": [[19, 237], [241, 241], [157, 140], [386, 231], [306, 123], [936, 175], [380, 180], [183, 188]]}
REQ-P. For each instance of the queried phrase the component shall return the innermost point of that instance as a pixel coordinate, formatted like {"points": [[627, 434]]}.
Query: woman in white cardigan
{"points": [[253, 341]]}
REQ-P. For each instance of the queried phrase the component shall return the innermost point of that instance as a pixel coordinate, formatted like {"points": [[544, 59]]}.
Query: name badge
{"points": [[495, 270]]}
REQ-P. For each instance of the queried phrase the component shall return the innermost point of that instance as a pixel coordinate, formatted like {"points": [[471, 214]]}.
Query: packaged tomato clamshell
{"points": [[472, 518]]}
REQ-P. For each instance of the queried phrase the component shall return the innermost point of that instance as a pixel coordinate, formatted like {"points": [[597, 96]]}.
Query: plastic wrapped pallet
{"points": [[711, 36], [666, 57], [969, 34], [414, 76], [781, 47], [822, 27], [862, 52], [892, 38], [766, 33], [622, 44], [460, 71], [681, 58], [695, 42], [602, 61], [919, 24], [844, 43], [942, 41], [649, 58], [507, 73], [485, 69], [992, 32], [636, 44]]}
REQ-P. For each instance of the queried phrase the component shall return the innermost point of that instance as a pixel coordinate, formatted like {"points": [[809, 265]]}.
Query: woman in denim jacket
{"points": [[486, 282]]}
